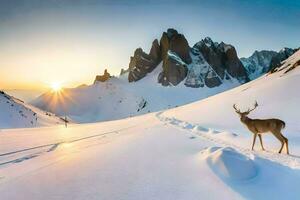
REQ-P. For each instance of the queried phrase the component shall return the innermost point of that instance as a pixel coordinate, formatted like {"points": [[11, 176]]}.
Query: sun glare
{"points": [[56, 87]]}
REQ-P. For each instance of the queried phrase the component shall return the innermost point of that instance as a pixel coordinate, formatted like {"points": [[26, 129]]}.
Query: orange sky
{"points": [[60, 61]]}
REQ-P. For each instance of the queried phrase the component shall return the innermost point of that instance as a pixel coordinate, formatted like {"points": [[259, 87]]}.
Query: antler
{"points": [[237, 110], [255, 106]]}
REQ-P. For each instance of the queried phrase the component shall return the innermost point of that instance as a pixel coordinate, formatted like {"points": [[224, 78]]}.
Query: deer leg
{"points": [[278, 135], [286, 141], [261, 142], [254, 138], [282, 144]]}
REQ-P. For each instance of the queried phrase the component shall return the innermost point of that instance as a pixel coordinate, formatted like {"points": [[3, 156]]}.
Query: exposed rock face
{"points": [[173, 71], [232, 63], [175, 52], [213, 63], [206, 64], [258, 63], [102, 78], [155, 52], [261, 62], [172, 41], [142, 63]]}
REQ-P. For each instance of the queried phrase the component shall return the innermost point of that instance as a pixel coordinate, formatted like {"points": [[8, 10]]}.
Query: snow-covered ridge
{"points": [[16, 114], [117, 98], [261, 62], [289, 64]]}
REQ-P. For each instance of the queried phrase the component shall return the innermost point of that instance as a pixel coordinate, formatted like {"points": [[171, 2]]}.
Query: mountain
{"points": [[261, 62], [102, 78], [170, 75], [281, 56], [258, 63], [208, 63], [288, 65], [212, 63], [197, 150], [17, 114]]}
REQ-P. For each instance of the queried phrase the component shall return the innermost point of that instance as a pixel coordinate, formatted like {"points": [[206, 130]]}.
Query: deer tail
{"points": [[283, 125]]}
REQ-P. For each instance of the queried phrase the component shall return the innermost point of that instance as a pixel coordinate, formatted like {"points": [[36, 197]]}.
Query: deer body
{"points": [[260, 126]]}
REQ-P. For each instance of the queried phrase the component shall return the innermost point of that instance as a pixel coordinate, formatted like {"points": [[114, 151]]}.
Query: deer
{"points": [[261, 126]]}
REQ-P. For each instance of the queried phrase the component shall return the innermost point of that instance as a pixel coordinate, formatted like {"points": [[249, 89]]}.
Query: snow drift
{"points": [[230, 164]]}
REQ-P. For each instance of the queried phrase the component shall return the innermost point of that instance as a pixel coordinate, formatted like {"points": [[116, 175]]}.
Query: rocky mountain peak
{"points": [[102, 78], [208, 41], [171, 33], [173, 72], [207, 62], [221, 60]]}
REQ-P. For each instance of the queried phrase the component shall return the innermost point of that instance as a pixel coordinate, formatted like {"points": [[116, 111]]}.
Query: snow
{"points": [[230, 164], [199, 69], [290, 63], [17, 114], [200, 150], [175, 57], [117, 98]]}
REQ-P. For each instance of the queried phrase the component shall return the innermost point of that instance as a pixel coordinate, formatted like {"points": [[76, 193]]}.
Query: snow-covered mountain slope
{"points": [[198, 150], [258, 63], [261, 62], [16, 114], [117, 98]]}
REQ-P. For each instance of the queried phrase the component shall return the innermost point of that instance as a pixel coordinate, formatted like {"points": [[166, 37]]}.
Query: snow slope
{"points": [[116, 98], [197, 151], [16, 114]]}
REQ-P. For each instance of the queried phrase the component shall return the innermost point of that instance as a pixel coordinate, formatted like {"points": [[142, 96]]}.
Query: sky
{"points": [[71, 41]]}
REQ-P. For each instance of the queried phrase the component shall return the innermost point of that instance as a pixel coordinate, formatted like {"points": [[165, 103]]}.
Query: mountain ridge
{"points": [[17, 114], [179, 59], [264, 61]]}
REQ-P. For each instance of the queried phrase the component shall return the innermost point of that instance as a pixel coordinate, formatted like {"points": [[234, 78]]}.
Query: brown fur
{"points": [[260, 126]]}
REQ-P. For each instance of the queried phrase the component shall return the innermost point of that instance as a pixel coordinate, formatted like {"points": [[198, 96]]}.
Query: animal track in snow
{"points": [[210, 135]]}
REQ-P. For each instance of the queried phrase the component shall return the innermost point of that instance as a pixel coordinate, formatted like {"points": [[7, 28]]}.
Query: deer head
{"points": [[244, 114]]}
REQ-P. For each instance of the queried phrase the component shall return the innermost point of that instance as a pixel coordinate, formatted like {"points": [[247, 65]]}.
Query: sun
{"points": [[56, 87]]}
